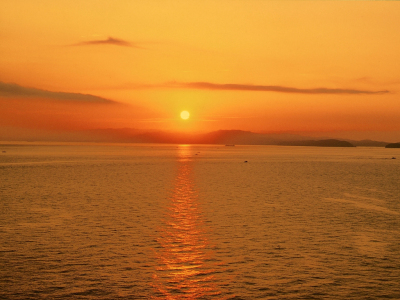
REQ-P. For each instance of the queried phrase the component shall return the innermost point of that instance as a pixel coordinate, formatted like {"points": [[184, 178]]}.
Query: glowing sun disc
{"points": [[185, 115]]}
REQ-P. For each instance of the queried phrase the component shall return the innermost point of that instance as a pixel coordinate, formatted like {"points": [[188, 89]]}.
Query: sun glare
{"points": [[185, 115]]}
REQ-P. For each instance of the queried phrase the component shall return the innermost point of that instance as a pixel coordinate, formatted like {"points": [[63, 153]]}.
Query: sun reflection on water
{"points": [[186, 268]]}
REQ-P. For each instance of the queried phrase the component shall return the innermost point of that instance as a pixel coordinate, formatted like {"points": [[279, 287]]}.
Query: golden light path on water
{"points": [[185, 260]]}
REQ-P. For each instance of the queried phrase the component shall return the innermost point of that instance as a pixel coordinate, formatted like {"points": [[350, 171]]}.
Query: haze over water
{"points": [[198, 222]]}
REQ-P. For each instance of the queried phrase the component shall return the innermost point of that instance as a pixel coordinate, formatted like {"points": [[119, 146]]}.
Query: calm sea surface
{"points": [[198, 222]]}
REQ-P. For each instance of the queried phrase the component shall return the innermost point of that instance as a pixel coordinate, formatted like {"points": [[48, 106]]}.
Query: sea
{"points": [[150, 221]]}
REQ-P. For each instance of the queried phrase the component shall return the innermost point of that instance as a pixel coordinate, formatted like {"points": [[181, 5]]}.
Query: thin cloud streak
{"points": [[109, 41], [267, 88], [14, 90], [247, 87]]}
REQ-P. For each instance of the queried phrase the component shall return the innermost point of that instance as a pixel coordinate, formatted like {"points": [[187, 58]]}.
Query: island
{"points": [[393, 145], [320, 143]]}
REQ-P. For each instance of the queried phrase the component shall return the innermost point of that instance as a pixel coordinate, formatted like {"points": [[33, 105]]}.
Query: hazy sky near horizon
{"points": [[316, 67]]}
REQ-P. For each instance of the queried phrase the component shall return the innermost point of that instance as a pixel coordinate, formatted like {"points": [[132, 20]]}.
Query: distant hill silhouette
{"points": [[221, 137], [320, 143], [368, 143], [393, 145], [240, 137]]}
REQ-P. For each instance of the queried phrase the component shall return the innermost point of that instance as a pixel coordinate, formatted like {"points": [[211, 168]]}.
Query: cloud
{"points": [[109, 41], [248, 87], [267, 88], [14, 90]]}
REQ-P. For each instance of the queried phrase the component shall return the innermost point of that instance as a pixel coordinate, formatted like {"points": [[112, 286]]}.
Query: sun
{"points": [[185, 115]]}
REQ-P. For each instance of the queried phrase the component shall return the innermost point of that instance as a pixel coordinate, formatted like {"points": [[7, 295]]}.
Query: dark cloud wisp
{"points": [[109, 41], [267, 88], [14, 90]]}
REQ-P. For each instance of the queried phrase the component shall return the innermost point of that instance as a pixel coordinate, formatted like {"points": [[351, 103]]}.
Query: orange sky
{"points": [[319, 67]]}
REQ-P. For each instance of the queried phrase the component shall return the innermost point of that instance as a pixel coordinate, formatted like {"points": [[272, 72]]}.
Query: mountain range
{"points": [[222, 137], [227, 137]]}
